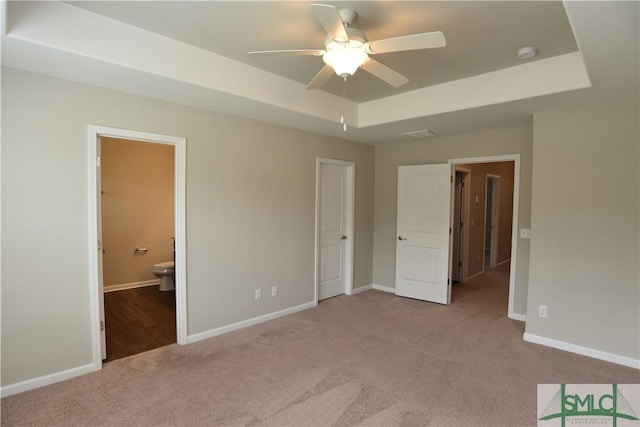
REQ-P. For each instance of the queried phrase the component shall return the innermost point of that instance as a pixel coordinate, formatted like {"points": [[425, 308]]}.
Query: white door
{"points": [[332, 230], [103, 336], [422, 252]]}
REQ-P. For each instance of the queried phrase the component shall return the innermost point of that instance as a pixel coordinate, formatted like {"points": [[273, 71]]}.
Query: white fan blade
{"points": [[330, 19], [410, 42], [385, 73], [303, 52], [321, 78]]}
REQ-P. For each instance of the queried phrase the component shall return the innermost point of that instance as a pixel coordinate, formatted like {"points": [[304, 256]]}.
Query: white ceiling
{"points": [[196, 53], [481, 36]]}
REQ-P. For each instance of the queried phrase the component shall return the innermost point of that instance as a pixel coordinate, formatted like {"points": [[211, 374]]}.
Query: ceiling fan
{"points": [[347, 49]]}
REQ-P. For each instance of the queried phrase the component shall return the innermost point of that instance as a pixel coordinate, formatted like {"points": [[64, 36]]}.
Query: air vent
{"points": [[425, 133]]}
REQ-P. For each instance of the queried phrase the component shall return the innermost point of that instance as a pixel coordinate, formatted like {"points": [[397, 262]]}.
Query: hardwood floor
{"points": [[139, 320]]}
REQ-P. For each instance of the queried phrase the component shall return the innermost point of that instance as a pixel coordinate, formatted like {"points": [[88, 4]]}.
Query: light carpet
{"points": [[370, 359]]}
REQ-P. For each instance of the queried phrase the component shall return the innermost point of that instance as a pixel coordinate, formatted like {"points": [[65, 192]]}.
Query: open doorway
{"points": [[483, 223], [138, 251], [96, 278]]}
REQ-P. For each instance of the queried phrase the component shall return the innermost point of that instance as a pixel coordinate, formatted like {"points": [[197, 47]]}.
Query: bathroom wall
{"points": [[137, 209]]}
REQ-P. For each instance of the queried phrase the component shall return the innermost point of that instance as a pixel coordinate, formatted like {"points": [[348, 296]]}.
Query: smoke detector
{"points": [[527, 52]]}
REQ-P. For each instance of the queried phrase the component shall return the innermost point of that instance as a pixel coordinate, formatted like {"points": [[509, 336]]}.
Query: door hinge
{"points": [[449, 230], [99, 245], [98, 161], [459, 263], [451, 178], [448, 281], [461, 224], [102, 325]]}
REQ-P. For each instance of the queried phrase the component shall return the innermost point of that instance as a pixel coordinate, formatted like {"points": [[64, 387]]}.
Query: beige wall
{"points": [[250, 216], [250, 206], [477, 181], [515, 140], [585, 231], [137, 209]]}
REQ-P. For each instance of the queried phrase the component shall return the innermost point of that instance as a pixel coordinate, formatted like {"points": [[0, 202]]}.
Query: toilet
{"points": [[165, 271]]}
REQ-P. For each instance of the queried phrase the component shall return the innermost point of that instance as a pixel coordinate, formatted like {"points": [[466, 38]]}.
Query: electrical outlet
{"points": [[258, 294], [525, 233], [274, 291], [542, 311]]}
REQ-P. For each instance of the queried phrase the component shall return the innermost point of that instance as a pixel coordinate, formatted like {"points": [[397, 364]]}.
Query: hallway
{"points": [[491, 289]]}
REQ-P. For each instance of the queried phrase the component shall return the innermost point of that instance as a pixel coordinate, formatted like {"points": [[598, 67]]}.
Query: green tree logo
{"points": [[614, 406]]}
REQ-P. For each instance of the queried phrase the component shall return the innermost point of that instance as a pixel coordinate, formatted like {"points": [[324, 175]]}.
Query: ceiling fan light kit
{"points": [[345, 57]]}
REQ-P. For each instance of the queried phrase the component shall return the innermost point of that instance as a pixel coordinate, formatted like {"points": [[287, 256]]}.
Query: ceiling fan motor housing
{"points": [[347, 16]]}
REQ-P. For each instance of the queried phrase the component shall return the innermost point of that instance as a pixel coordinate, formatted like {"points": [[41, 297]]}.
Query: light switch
{"points": [[525, 233]]}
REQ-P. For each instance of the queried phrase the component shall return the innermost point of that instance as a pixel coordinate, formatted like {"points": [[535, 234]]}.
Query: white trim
{"points": [[585, 351], [503, 262], [464, 239], [515, 158], [362, 289], [475, 274], [44, 380], [249, 322], [518, 316], [179, 143], [495, 218], [374, 287], [4, 20], [132, 285], [384, 288], [95, 294], [350, 231]]}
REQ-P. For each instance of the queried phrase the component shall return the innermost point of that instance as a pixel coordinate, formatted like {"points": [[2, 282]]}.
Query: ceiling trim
{"points": [[58, 39], [552, 75]]}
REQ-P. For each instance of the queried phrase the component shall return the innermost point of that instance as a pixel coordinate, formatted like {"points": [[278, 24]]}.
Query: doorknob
{"points": [[402, 238], [343, 237]]}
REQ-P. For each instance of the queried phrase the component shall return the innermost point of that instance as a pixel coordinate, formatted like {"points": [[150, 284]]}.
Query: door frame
{"points": [[515, 158], [464, 237], [495, 218], [95, 281], [350, 228]]}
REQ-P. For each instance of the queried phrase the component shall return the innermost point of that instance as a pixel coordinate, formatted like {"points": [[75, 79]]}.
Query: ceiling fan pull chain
{"points": [[344, 103]]}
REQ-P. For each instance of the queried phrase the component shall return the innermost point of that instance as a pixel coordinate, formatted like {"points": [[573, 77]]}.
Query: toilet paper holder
{"points": [[142, 251]]}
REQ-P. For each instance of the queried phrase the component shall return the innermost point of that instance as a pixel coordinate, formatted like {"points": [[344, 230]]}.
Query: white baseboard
{"points": [[474, 275], [34, 383], [518, 316], [374, 287], [503, 261], [361, 289], [585, 351], [384, 288], [249, 322], [132, 285]]}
